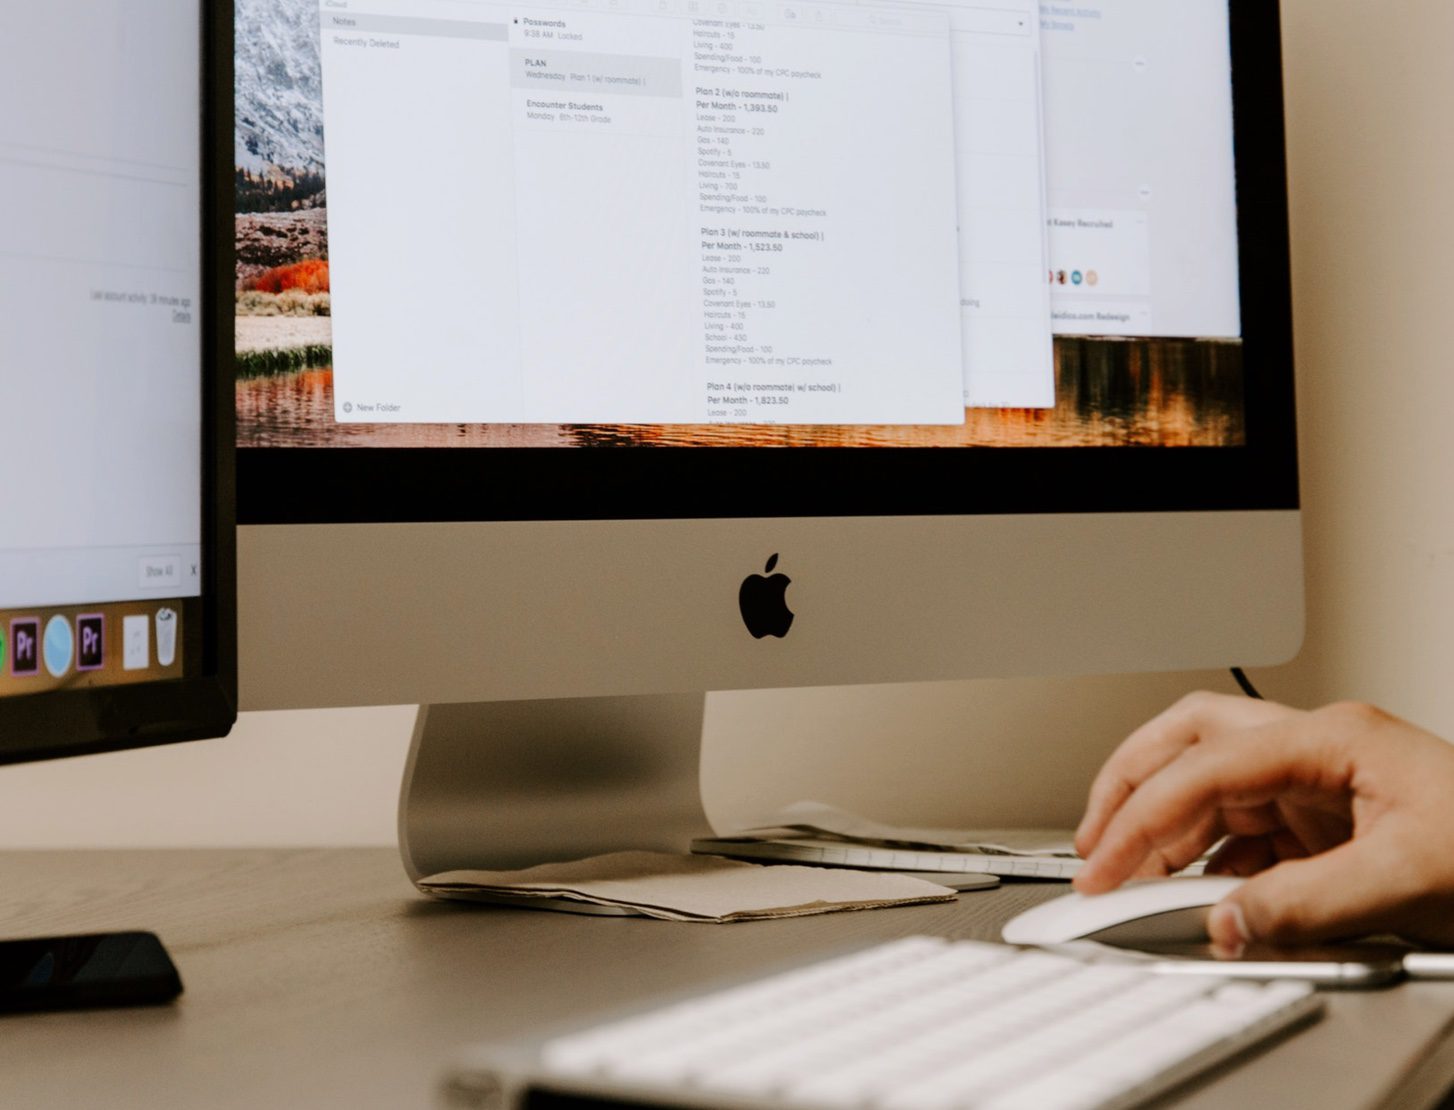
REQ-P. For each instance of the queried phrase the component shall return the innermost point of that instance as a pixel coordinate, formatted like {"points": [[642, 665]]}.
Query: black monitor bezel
{"points": [[368, 485], [203, 704]]}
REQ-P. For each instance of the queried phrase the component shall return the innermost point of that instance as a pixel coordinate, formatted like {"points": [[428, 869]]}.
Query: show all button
{"points": [[159, 572]]}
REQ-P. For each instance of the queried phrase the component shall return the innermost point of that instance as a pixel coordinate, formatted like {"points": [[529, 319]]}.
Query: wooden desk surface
{"points": [[320, 978]]}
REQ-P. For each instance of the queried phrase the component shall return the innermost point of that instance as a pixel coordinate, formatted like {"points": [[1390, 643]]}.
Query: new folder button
{"points": [[159, 572]]}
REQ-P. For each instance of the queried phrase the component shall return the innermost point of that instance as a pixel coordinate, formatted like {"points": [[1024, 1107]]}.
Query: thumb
{"points": [[1340, 893]]}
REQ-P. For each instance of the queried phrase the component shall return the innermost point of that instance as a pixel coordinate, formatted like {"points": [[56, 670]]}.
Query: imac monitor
{"points": [[610, 349], [117, 625]]}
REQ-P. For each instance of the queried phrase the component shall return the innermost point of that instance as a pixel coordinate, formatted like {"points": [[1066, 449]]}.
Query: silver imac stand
{"points": [[505, 785]]}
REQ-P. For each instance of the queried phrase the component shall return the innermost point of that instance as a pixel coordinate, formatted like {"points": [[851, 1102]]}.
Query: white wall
{"points": [[1369, 91], [324, 777], [1372, 157]]}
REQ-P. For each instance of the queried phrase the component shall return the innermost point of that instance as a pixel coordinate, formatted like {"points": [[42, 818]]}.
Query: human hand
{"points": [[1343, 818]]}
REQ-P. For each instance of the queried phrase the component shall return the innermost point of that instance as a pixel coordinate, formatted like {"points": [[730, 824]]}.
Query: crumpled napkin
{"points": [[687, 887]]}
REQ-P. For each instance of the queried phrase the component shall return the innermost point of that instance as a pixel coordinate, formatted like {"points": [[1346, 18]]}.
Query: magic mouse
{"points": [[1159, 911]]}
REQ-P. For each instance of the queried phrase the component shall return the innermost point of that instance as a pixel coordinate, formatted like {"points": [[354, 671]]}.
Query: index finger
{"points": [[1298, 752], [1155, 744]]}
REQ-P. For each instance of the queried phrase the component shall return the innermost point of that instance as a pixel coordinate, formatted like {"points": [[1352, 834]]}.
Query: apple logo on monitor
{"points": [[764, 603]]}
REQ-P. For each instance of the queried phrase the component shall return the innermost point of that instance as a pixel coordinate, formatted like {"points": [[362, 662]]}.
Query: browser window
{"points": [[1141, 244], [682, 211]]}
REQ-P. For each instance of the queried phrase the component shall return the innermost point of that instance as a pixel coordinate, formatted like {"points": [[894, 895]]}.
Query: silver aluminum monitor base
{"points": [[505, 785]]}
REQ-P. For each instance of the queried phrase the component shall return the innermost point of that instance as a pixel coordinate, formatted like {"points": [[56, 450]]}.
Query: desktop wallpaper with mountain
{"points": [[1110, 392]]}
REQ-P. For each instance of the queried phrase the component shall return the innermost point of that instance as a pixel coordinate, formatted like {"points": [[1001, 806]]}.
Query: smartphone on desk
{"points": [[85, 972]]}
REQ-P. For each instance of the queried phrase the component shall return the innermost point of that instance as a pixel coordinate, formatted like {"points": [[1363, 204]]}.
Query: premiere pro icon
{"points": [[25, 646]]}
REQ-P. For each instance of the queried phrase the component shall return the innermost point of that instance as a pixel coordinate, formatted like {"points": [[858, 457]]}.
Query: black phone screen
{"points": [[75, 972]]}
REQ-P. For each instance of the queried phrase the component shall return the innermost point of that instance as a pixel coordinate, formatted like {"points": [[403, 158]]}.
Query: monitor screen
{"points": [[706, 223], [117, 528], [1050, 238], [102, 424]]}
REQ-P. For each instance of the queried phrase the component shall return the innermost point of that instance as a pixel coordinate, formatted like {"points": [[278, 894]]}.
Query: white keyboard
{"points": [[919, 1024]]}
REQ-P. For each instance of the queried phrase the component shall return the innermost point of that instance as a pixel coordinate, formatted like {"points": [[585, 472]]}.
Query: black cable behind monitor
{"points": [[1246, 683]]}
